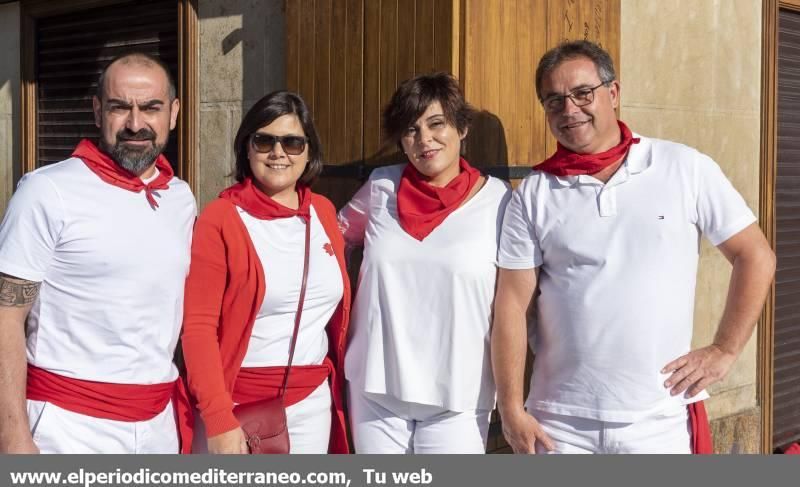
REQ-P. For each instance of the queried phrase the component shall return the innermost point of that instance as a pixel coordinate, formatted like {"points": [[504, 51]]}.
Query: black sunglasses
{"points": [[293, 145]]}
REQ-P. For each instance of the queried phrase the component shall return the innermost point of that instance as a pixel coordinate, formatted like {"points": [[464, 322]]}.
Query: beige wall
{"points": [[690, 72], [9, 99], [241, 59]]}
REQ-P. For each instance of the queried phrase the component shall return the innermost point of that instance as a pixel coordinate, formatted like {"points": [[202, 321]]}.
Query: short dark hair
{"points": [[264, 112], [570, 50], [142, 58], [413, 96]]}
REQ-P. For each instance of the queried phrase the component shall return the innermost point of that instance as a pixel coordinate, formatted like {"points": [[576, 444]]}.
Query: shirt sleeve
{"points": [[31, 228], [519, 246], [354, 216], [721, 210]]}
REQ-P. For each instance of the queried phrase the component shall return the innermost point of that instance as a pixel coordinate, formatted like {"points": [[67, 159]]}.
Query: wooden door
{"points": [[500, 48], [346, 57]]}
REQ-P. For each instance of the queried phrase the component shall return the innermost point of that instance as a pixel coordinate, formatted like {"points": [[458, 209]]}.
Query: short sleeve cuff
{"points": [[518, 264], [729, 231], [19, 272]]}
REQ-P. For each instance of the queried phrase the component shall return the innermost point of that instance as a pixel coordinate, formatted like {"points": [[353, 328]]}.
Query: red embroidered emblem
{"points": [[328, 248]]}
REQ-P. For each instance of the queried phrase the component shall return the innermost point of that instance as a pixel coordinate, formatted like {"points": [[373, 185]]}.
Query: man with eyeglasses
{"points": [[605, 235], [94, 253]]}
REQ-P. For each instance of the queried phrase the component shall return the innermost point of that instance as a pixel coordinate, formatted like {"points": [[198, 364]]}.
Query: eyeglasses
{"points": [[294, 145], [580, 97]]}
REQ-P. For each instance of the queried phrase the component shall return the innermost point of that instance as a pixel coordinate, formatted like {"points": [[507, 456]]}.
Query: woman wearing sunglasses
{"points": [[249, 252], [418, 368]]}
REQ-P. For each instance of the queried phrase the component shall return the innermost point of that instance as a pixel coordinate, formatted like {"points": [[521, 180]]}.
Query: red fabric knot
{"points": [[246, 196], [567, 163], [112, 173], [148, 192], [421, 207]]}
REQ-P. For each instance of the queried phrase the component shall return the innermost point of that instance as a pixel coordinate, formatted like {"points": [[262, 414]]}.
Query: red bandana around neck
{"points": [[112, 173], [245, 195], [421, 207], [567, 163]]}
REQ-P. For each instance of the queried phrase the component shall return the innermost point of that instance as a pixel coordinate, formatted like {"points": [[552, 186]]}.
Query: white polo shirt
{"points": [[112, 271], [280, 245], [617, 271], [419, 329]]}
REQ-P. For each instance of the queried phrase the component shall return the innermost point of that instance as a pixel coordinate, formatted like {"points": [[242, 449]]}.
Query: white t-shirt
{"points": [[280, 245], [421, 316], [112, 271], [617, 272]]}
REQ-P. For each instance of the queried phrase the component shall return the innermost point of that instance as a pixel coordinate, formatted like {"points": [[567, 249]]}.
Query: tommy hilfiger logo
{"points": [[328, 248]]}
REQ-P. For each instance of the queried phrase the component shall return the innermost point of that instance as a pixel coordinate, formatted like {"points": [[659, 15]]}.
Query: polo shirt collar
{"points": [[637, 161]]}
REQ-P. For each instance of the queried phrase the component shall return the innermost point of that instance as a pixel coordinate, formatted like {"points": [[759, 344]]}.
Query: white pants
{"points": [[56, 430], [664, 433], [384, 424], [308, 421]]}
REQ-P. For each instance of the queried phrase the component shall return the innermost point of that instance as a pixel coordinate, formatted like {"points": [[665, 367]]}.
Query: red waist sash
{"points": [[701, 429], [119, 402], [258, 383]]}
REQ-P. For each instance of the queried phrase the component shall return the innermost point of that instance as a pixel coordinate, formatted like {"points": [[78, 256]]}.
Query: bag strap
{"points": [[300, 302]]}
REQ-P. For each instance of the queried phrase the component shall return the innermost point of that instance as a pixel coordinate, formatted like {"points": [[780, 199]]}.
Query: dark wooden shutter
{"points": [[786, 396], [71, 50]]}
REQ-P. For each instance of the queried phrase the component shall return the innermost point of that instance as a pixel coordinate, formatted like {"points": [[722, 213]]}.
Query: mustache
{"points": [[143, 134]]}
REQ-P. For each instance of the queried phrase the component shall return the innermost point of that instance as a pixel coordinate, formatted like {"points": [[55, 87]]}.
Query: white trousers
{"points": [[663, 433], [308, 421], [56, 430], [384, 424]]}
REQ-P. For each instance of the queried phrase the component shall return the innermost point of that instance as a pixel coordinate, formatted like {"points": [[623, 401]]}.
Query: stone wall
{"points": [[690, 72], [242, 58]]}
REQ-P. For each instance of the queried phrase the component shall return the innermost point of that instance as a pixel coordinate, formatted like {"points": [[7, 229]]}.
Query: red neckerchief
{"points": [[112, 173], [567, 163], [421, 207], [252, 200]]}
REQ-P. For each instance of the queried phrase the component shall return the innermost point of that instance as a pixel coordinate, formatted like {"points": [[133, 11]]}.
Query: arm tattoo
{"points": [[15, 292]]}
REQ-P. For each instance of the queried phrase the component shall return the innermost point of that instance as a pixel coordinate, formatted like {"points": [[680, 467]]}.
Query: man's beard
{"points": [[133, 159]]}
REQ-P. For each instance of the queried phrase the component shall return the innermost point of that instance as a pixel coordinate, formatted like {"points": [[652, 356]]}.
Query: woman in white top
{"points": [[417, 363]]}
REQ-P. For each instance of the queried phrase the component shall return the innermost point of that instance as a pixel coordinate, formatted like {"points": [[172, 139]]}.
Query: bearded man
{"points": [[94, 251]]}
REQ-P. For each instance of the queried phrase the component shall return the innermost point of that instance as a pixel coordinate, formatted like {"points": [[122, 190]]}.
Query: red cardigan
{"points": [[224, 291]]}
